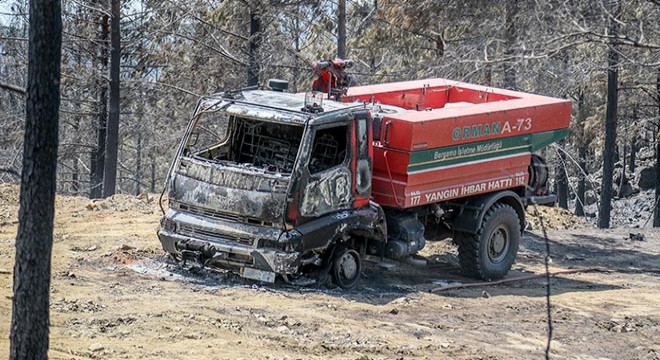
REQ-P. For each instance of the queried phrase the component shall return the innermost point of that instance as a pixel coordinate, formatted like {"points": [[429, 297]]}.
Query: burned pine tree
{"points": [[97, 165], [582, 154], [656, 209], [341, 29], [254, 42], [561, 178], [633, 146], [510, 38], [112, 136], [30, 304], [610, 121]]}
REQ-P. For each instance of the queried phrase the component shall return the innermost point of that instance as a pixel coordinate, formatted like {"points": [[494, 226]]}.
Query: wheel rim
{"points": [[348, 266], [498, 244]]}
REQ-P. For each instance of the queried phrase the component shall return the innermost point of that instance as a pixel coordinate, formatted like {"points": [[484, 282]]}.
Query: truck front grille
{"points": [[202, 234], [197, 210]]}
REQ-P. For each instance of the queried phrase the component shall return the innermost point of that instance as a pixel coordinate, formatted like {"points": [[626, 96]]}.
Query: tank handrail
{"points": [[389, 174]]}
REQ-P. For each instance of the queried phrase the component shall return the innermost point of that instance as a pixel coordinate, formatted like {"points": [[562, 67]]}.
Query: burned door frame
{"points": [[332, 189], [362, 164]]}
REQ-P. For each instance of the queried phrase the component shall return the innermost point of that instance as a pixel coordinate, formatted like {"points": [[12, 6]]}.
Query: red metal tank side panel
{"points": [[466, 128], [462, 94], [459, 171], [398, 87], [451, 182], [509, 117], [395, 132], [389, 170], [382, 192], [365, 92], [494, 113], [398, 162], [480, 183], [411, 99]]}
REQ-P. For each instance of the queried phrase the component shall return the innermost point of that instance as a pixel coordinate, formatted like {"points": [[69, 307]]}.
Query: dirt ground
{"points": [[115, 296]]}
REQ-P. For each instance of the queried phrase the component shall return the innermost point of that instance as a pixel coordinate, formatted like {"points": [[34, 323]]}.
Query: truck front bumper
{"points": [[227, 244]]}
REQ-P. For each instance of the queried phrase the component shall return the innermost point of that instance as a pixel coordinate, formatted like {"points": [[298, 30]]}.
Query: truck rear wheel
{"points": [[490, 252], [346, 267]]}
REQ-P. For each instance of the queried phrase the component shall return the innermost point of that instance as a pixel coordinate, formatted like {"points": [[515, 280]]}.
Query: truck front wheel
{"points": [[490, 252], [346, 267]]}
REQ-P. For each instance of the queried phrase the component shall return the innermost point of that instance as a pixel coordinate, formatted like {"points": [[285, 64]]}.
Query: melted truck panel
{"points": [[326, 192], [231, 189]]}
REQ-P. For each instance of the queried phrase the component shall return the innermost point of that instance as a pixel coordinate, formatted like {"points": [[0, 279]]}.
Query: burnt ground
{"points": [[116, 296]]}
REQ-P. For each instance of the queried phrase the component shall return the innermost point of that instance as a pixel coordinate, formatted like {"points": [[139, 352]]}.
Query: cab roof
{"points": [[268, 105]]}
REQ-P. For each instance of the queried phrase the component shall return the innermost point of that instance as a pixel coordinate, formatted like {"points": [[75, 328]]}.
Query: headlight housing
{"points": [[168, 225]]}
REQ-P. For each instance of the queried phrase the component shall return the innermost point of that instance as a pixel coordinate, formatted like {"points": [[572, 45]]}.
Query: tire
{"points": [[489, 253], [346, 267]]}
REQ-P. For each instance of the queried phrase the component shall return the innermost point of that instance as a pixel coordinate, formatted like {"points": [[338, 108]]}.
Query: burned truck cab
{"points": [[268, 183]]}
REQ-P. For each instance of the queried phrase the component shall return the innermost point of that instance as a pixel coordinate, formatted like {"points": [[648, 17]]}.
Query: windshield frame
{"points": [[232, 125]]}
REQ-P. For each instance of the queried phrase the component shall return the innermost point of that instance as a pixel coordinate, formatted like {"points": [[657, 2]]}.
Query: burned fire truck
{"points": [[308, 186]]}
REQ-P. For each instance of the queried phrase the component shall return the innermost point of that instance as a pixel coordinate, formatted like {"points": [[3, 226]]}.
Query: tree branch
{"points": [[10, 171], [222, 52], [13, 38], [623, 40], [12, 88], [158, 83]]}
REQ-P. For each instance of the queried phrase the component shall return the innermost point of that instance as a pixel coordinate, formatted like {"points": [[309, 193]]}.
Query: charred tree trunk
{"points": [[75, 176], [582, 181], [633, 147], [253, 47], [488, 75], [152, 186], [34, 242], [610, 124], [138, 163], [623, 179], [633, 156], [582, 156], [341, 29], [440, 46], [75, 168], [296, 74], [656, 210], [98, 155], [510, 36], [112, 136], [561, 179]]}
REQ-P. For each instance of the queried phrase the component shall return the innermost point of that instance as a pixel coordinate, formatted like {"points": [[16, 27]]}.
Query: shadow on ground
{"points": [[574, 251], [580, 250]]}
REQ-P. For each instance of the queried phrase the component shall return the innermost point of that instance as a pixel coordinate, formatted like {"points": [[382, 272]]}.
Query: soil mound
{"points": [[9, 199], [145, 203], [9, 194], [554, 218]]}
